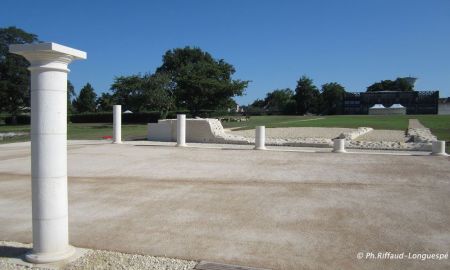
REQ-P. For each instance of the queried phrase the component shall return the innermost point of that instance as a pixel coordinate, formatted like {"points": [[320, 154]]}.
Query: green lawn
{"points": [[346, 121], [83, 132]]}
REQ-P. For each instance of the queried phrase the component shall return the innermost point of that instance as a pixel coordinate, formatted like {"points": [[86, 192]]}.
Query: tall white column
{"points": [[48, 68], [181, 130], [438, 148], [117, 124], [260, 138], [339, 146]]}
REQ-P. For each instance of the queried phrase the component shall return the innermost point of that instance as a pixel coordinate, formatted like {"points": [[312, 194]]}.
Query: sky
{"points": [[270, 43]]}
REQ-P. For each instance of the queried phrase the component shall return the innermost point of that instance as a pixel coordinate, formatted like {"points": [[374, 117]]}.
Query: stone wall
{"points": [[211, 131]]}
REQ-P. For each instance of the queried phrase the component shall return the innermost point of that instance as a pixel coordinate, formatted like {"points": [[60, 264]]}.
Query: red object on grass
{"points": [[107, 137]]}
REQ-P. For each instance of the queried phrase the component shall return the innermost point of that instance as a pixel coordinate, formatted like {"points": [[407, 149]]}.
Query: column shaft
{"points": [[117, 124], [260, 138], [181, 130]]}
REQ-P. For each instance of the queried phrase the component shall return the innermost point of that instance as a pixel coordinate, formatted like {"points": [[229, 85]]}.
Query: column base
{"points": [[120, 142], [339, 151], [439, 154], [181, 145], [259, 148], [50, 257]]}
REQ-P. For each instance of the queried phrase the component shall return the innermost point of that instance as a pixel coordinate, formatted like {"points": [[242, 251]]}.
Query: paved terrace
{"points": [[275, 209]]}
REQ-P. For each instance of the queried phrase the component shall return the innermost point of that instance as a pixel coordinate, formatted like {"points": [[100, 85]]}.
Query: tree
{"points": [[14, 76], [400, 84], [258, 103], [127, 91], [151, 92], [280, 100], [306, 96], [201, 82], [86, 99], [332, 97], [105, 102], [70, 94], [158, 92]]}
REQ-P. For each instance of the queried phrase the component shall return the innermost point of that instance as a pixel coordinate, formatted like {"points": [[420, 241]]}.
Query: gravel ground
{"points": [[295, 132], [95, 259], [383, 135]]}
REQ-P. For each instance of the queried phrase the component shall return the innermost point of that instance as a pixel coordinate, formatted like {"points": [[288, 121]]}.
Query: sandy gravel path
{"points": [[414, 123], [383, 135]]}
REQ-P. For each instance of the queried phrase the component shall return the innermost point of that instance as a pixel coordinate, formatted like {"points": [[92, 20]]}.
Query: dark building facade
{"points": [[416, 102]]}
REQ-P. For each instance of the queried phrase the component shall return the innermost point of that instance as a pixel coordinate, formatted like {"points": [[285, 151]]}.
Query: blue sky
{"points": [[271, 43]]}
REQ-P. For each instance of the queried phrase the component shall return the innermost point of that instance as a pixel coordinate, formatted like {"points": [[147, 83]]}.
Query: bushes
{"points": [[19, 120]]}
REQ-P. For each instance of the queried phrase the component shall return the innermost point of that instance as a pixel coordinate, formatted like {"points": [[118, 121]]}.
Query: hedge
{"points": [[20, 120], [127, 118]]}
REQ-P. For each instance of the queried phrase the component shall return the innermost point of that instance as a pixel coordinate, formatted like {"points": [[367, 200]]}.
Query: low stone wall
{"points": [[385, 145], [211, 131], [11, 135], [351, 135], [421, 135]]}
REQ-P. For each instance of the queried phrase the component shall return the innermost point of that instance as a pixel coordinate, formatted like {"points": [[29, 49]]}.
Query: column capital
{"points": [[47, 56]]}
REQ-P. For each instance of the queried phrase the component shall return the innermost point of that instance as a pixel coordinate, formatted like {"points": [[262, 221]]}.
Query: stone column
{"points": [[48, 68], [260, 138], [438, 148], [339, 146], [181, 130], [117, 124]]}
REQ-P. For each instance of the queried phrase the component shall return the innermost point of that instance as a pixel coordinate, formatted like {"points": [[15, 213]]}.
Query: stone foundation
{"points": [[211, 131]]}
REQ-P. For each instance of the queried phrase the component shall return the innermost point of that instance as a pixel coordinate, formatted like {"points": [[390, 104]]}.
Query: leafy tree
{"points": [[86, 99], [400, 84], [70, 95], [258, 103], [127, 91], [200, 81], [281, 100], [307, 96], [157, 92], [105, 102], [332, 97], [14, 76], [152, 92]]}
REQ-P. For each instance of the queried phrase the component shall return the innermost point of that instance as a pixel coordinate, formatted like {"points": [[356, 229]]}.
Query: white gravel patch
{"points": [[95, 259], [295, 132], [100, 259], [383, 135]]}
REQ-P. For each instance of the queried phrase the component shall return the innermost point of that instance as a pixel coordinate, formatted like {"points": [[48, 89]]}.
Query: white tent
{"points": [[378, 106], [396, 106]]}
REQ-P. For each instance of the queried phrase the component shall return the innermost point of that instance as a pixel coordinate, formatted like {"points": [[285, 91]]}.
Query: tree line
{"points": [[188, 79], [308, 99]]}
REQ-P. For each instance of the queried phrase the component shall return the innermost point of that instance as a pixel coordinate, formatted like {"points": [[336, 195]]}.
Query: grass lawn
{"points": [[345, 121], [83, 132]]}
